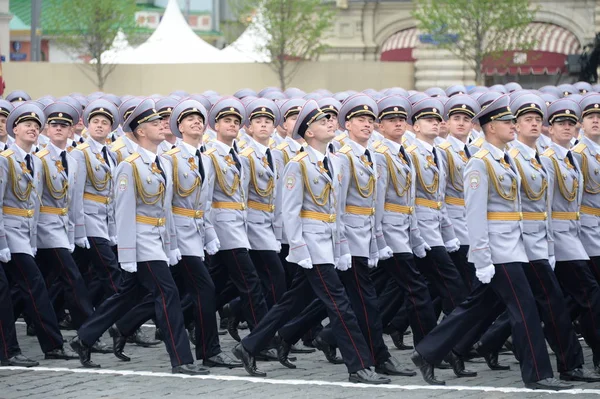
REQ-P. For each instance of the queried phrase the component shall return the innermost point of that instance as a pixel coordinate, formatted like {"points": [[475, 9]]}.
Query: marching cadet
{"points": [[229, 214], [587, 155], [497, 250], [165, 106], [291, 146], [331, 106], [193, 181], [310, 205], [56, 223], [567, 183], [145, 229], [539, 246], [259, 183], [126, 144], [357, 197], [395, 221], [5, 139], [459, 112], [95, 229], [20, 190], [435, 227]]}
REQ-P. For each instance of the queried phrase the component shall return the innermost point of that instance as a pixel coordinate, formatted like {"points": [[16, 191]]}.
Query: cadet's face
{"points": [[562, 132], [78, 128], [281, 130], [393, 128], [427, 128], [459, 126], [322, 130], [360, 128], [261, 128], [99, 128], [58, 133], [228, 127], [591, 126], [443, 132], [503, 130], [27, 132], [167, 128], [334, 119], [3, 133], [529, 126], [152, 131], [289, 124], [192, 126]]}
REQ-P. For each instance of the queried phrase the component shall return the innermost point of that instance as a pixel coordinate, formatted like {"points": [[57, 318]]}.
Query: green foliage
{"points": [[88, 28], [483, 27], [296, 30]]}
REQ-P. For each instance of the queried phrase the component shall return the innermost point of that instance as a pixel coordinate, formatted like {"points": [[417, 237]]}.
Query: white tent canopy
{"points": [[119, 45], [174, 42], [251, 42]]}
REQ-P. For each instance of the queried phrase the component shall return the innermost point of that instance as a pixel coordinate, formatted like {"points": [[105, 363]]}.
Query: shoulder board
{"points": [[579, 148], [7, 153], [411, 148], [41, 154], [340, 137], [271, 143], [481, 153], [82, 146], [282, 146], [478, 142], [132, 157], [210, 151], [382, 148], [173, 151], [117, 145], [247, 151], [514, 152], [300, 156], [242, 143], [548, 153], [345, 149], [376, 143], [444, 145]]}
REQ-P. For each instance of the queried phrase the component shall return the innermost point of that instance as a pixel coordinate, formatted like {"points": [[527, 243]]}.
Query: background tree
{"points": [[472, 30], [87, 28], [296, 30]]}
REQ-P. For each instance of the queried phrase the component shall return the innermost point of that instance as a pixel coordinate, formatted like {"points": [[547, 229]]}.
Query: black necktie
{"points": [[506, 158], [29, 164], [270, 160], [162, 172], [235, 146], [200, 166], [467, 153], [235, 158], [403, 155], [74, 144], [63, 160], [105, 155], [331, 148], [326, 166], [435, 158], [537, 158], [570, 156], [368, 155], [202, 148]]}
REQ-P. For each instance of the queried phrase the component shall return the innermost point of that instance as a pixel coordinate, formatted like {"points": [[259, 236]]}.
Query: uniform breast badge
{"points": [[59, 166], [365, 161], [598, 157], [535, 164], [463, 156], [192, 163], [229, 160], [504, 163], [155, 169], [265, 162], [321, 167], [100, 158], [568, 163], [24, 167], [430, 161]]}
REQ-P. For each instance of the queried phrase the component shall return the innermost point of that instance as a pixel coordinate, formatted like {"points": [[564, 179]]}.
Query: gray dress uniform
{"points": [[492, 196], [124, 146], [434, 225], [5, 109]]}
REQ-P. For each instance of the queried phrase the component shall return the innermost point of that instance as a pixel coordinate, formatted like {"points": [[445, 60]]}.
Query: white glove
{"points": [[552, 261], [385, 253], [5, 255], [71, 248], [372, 262], [130, 267], [344, 263], [485, 274], [34, 250], [82, 243], [278, 246], [421, 250], [112, 241], [213, 246], [306, 263], [452, 245], [174, 256]]}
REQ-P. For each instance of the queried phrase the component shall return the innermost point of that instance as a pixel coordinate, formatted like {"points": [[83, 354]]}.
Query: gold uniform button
{"points": [[243, 206], [439, 205], [272, 208], [64, 211], [30, 213], [411, 209], [577, 215], [197, 214], [331, 218], [545, 215], [160, 222], [372, 211]]}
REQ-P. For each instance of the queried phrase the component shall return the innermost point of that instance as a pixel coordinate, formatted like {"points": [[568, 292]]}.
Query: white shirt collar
{"points": [[223, 146], [150, 154], [427, 146], [497, 153], [22, 151], [320, 156], [395, 146], [456, 143], [357, 148], [190, 148], [58, 150], [261, 149], [98, 144], [560, 150], [530, 151], [593, 144]]}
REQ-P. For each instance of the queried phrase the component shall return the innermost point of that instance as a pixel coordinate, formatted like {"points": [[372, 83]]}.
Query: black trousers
{"points": [[322, 281], [511, 287], [466, 269], [403, 275], [25, 274], [304, 325], [9, 346], [441, 272], [201, 289], [363, 298], [578, 281], [58, 264], [236, 265], [271, 274], [156, 278], [103, 262]]}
